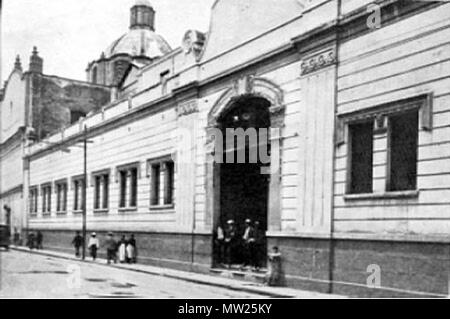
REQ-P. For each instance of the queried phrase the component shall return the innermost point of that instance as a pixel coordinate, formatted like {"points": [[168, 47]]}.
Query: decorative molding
{"points": [[248, 86], [187, 108], [318, 61]]}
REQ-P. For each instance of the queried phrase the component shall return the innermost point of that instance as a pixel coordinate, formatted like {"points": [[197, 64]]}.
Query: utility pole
{"points": [[84, 190]]}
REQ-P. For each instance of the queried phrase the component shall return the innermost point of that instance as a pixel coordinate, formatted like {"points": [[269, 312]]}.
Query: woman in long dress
{"points": [[122, 250], [131, 250]]}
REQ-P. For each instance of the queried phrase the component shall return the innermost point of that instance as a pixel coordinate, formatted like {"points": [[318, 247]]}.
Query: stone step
{"points": [[237, 273]]}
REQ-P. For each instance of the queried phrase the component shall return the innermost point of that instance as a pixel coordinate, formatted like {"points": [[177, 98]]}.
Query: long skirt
{"points": [[131, 253], [122, 253]]}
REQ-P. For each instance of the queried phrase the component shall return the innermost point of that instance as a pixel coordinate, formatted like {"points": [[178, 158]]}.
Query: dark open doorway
{"points": [[244, 189]]}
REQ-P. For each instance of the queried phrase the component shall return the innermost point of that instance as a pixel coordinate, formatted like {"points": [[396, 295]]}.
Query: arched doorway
{"points": [[240, 191], [244, 189]]}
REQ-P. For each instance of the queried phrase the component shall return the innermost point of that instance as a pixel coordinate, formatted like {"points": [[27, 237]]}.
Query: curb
{"points": [[234, 287]]}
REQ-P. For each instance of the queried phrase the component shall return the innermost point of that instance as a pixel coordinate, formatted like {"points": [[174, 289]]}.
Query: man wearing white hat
{"points": [[93, 245]]}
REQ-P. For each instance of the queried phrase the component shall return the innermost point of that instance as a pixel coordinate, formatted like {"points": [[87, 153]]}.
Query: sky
{"points": [[71, 33]]}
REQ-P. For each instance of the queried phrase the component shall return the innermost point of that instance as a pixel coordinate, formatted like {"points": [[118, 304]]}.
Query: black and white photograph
{"points": [[224, 150]]}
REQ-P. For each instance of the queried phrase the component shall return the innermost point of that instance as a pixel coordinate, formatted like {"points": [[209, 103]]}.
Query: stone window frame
{"points": [[380, 115], [57, 185], [102, 207], [162, 203], [78, 200], [128, 167], [46, 194], [33, 200]]}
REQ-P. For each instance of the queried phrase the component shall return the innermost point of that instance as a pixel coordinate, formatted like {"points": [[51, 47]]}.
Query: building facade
{"points": [[355, 96]]}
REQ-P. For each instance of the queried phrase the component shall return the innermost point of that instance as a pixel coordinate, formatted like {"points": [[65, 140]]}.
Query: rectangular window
{"points": [[61, 197], [46, 199], [162, 179], [361, 158], [168, 183], [78, 194], [128, 178], [403, 144], [155, 180], [101, 191], [33, 197]]}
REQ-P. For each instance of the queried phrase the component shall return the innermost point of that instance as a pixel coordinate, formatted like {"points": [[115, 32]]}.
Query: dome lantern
{"points": [[142, 15]]}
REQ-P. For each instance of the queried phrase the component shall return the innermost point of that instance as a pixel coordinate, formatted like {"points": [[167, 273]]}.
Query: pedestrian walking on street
{"points": [[16, 237], [93, 246], [39, 240], [31, 241], [111, 249], [131, 250], [77, 242], [122, 250]]}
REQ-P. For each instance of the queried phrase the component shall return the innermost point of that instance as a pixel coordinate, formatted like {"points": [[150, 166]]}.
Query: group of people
{"points": [[34, 240], [245, 248], [126, 248]]}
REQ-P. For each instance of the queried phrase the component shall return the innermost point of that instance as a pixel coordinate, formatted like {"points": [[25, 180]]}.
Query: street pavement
{"points": [[48, 274], [25, 275]]}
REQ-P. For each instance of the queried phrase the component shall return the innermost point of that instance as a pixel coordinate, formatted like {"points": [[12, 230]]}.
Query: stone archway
{"points": [[247, 87]]}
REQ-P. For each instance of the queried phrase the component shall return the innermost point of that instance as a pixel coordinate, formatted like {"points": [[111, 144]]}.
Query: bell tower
{"points": [[142, 15]]}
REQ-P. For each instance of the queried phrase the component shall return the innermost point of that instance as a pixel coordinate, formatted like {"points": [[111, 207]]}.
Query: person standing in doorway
{"points": [[111, 249], [249, 243], [77, 242], [93, 246], [230, 242], [220, 245], [258, 247]]}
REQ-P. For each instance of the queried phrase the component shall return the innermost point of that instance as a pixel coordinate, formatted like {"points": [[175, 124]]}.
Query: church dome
{"points": [[139, 42]]}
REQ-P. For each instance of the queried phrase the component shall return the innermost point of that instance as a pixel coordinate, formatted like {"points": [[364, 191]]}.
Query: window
{"points": [[46, 199], [168, 182], [94, 75], [383, 147], [361, 157], [78, 194], [155, 179], [403, 140], [33, 198], [128, 179], [76, 115], [101, 191], [162, 177], [163, 78], [61, 196]]}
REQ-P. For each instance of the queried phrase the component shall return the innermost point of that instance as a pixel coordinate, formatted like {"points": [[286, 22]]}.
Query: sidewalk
{"points": [[233, 284]]}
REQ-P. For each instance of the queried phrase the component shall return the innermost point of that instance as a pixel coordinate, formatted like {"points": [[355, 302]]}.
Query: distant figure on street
{"points": [[39, 240], [16, 237], [111, 248], [31, 240], [230, 242], [93, 246], [77, 242], [131, 250], [275, 274], [122, 250]]}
